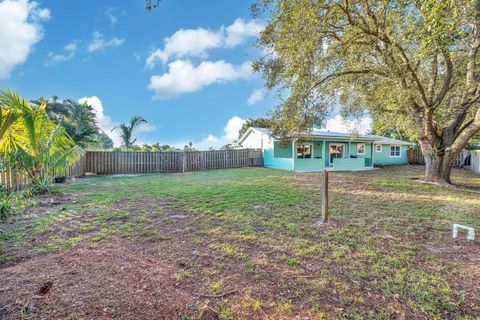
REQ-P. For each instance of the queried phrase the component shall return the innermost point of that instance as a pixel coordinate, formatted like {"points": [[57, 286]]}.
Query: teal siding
{"points": [[368, 150], [349, 164], [282, 150], [278, 157], [350, 149], [317, 149], [309, 165], [271, 161], [385, 159]]}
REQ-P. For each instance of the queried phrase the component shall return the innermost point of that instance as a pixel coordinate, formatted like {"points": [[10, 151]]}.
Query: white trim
{"points": [[335, 144], [364, 149], [396, 145], [376, 147]]}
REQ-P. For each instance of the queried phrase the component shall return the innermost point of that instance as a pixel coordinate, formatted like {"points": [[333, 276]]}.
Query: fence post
{"points": [[183, 162], [324, 186]]}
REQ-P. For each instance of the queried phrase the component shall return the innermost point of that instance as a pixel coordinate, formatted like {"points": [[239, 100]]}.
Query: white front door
{"points": [[336, 151]]}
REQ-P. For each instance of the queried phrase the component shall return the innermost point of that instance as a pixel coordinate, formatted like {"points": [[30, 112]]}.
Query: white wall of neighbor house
{"points": [[475, 161], [254, 140]]}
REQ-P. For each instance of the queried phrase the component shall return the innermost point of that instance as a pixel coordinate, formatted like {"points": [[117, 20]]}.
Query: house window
{"points": [[395, 151], [304, 151], [378, 147], [361, 149]]}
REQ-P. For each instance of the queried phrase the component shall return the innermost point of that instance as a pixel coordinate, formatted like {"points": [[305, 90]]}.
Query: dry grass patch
{"points": [[242, 244]]}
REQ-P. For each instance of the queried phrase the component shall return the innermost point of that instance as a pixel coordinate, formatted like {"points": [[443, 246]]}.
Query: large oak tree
{"points": [[414, 61]]}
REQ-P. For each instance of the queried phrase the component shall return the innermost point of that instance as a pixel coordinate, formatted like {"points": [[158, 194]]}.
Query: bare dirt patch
{"points": [[154, 255]]}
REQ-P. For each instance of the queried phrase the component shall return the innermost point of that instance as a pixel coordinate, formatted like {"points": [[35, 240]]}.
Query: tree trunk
{"points": [[437, 169]]}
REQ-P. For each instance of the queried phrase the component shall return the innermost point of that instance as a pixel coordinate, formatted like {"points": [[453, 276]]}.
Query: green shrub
{"points": [[42, 185], [12, 202]]}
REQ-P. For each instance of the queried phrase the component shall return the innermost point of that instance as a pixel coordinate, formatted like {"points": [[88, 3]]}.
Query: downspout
{"points": [[293, 154], [324, 153], [372, 153]]}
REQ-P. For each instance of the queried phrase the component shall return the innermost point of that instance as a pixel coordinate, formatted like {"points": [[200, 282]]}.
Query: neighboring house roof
{"points": [[337, 135], [386, 140]]}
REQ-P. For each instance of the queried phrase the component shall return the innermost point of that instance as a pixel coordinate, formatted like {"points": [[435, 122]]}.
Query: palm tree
{"points": [[78, 119], [10, 113], [126, 131], [35, 144], [80, 123]]}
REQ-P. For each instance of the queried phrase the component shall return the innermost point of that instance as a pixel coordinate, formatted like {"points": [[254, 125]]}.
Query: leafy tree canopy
{"points": [[415, 61], [151, 4], [78, 120]]}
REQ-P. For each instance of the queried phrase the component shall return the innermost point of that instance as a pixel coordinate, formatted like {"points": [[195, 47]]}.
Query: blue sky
{"points": [[185, 66]]}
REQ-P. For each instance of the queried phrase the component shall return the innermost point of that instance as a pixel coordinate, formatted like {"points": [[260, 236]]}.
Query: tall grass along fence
{"points": [[106, 162]]}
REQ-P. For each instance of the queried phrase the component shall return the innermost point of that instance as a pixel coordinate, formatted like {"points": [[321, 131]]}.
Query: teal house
{"points": [[326, 150]]}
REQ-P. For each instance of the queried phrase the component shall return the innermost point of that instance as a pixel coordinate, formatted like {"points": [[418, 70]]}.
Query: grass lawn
{"points": [[242, 244]]}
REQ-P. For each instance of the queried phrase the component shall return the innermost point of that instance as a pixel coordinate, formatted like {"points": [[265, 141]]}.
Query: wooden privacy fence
{"points": [[415, 156], [107, 162], [12, 180]]}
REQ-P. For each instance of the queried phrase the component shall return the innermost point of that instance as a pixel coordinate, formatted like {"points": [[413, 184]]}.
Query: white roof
{"points": [[331, 134], [386, 140]]}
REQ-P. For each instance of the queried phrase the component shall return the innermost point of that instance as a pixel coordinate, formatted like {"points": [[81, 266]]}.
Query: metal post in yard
{"points": [[324, 186]]}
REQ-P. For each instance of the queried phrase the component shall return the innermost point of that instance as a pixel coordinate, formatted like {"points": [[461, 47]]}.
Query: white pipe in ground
{"points": [[471, 231]]}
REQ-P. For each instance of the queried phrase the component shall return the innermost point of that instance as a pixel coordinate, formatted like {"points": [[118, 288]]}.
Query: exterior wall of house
{"points": [[350, 149], [254, 140], [279, 156], [283, 150], [349, 164], [368, 149], [273, 156], [276, 157], [316, 163], [326, 160], [384, 158]]}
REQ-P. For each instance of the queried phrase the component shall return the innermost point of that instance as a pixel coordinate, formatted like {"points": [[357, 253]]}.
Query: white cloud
{"points": [[183, 76], [107, 124], [232, 127], [146, 127], [196, 42], [104, 122], [190, 42], [110, 13], [256, 96], [69, 53], [20, 29], [239, 31], [339, 124], [99, 42], [230, 133], [211, 138]]}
